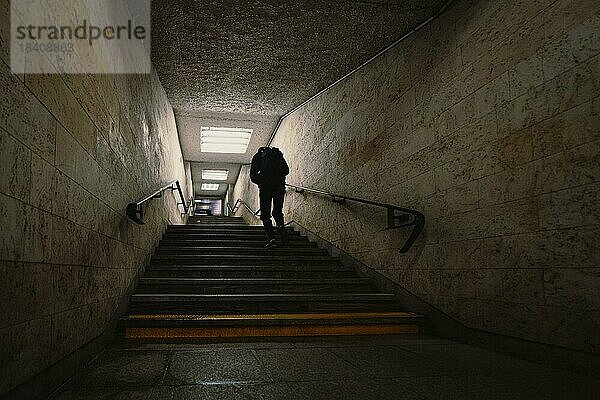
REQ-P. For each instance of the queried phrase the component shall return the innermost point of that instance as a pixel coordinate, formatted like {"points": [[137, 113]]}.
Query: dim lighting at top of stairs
{"points": [[224, 140], [215, 174], [209, 186]]}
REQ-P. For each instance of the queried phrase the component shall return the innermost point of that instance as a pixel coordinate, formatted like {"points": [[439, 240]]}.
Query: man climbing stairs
{"points": [[213, 278]]}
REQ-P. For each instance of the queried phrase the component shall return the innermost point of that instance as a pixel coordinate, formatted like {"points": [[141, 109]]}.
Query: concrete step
{"points": [[217, 218], [212, 226], [219, 227], [250, 237], [214, 279], [264, 302], [198, 326], [253, 285], [213, 222], [314, 271], [214, 219], [242, 259], [287, 250], [250, 244]]}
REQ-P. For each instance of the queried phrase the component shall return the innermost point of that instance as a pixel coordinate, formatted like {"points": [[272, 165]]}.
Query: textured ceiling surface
{"points": [[267, 56], [243, 64]]}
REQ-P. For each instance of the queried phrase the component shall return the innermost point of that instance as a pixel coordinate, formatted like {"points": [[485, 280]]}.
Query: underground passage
{"points": [[266, 199]]}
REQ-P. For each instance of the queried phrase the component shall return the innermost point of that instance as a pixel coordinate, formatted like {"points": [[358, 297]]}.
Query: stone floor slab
{"points": [[557, 385], [306, 364], [473, 360], [140, 393], [267, 391], [363, 389], [124, 368], [391, 361], [461, 388], [214, 366], [327, 368]]}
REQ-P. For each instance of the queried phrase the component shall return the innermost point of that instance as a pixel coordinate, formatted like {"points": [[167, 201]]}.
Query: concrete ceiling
{"points": [[243, 64]]}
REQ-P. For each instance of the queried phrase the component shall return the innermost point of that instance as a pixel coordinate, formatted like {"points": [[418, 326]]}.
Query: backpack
{"points": [[272, 162], [269, 166]]}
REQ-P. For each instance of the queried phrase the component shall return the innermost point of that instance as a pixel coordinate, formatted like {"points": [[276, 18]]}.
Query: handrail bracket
{"points": [[402, 220], [135, 210], [397, 217], [338, 200], [398, 220], [135, 213]]}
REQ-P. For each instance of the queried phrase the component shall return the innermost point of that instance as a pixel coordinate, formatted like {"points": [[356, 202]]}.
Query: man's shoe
{"points": [[284, 236], [271, 244]]}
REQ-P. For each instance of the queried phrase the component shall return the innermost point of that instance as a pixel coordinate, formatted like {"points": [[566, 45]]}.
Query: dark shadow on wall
{"points": [[444, 325], [61, 372]]}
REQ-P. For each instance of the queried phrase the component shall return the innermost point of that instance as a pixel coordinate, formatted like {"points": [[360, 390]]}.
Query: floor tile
{"points": [[214, 366], [461, 388], [204, 346], [124, 368], [141, 393], [363, 389], [268, 391], [390, 361], [473, 360], [555, 386], [328, 368], [305, 364]]}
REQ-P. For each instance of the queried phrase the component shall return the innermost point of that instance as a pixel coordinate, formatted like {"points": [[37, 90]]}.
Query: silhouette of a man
{"points": [[268, 170]]}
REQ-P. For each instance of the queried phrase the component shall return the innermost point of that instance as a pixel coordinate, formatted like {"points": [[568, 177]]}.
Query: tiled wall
{"points": [[488, 121], [248, 191], [74, 150]]}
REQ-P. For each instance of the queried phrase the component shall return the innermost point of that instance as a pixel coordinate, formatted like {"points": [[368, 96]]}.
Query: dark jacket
{"points": [[269, 169]]}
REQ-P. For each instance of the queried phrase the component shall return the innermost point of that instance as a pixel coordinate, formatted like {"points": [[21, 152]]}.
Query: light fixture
{"points": [[209, 186], [224, 140], [215, 174]]}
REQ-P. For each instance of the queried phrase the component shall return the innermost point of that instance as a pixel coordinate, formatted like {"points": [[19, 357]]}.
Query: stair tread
{"points": [[230, 241], [257, 256], [200, 267], [206, 227], [270, 319], [213, 279], [262, 296], [254, 280], [220, 317], [234, 248]]}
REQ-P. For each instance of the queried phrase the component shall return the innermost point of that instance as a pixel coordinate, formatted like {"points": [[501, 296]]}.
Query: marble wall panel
{"points": [[492, 132], [74, 151]]}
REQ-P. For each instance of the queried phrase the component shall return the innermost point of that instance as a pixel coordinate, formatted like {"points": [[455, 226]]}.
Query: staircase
{"points": [[212, 278]]}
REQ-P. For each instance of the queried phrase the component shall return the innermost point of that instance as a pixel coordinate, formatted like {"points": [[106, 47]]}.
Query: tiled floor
{"points": [[391, 367]]}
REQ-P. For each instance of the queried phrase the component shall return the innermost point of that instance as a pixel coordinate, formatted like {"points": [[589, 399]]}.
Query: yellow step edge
{"points": [[262, 331], [217, 317]]}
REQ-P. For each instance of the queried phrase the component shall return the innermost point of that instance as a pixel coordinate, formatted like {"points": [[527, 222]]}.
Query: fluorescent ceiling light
{"points": [[209, 186], [224, 140], [215, 174]]}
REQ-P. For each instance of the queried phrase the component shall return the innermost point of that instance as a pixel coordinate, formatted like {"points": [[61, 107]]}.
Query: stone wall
{"points": [[74, 150], [487, 121], [248, 191]]}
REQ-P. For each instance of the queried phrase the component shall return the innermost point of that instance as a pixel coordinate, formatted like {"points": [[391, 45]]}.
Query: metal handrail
{"points": [[240, 202], [135, 210], [191, 206], [407, 217]]}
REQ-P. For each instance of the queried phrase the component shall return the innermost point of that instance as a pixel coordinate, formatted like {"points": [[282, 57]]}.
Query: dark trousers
{"points": [[274, 199]]}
